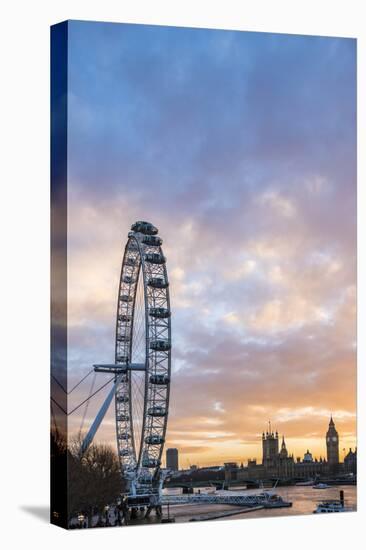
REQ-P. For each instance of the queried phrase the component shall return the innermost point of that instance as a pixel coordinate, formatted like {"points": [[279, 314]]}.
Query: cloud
{"points": [[285, 414], [240, 147], [281, 205]]}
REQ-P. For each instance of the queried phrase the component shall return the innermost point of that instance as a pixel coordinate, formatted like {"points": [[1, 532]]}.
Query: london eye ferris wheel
{"points": [[143, 344], [142, 360]]}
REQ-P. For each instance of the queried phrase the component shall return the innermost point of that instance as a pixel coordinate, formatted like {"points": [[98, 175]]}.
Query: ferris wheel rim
{"points": [[138, 254]]}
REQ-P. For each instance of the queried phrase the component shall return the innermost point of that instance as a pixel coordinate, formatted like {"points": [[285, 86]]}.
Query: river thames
{"points": [[304, 501]]}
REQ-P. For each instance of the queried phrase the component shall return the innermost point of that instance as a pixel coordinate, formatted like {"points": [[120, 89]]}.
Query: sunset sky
{"points": [[241, 148]]}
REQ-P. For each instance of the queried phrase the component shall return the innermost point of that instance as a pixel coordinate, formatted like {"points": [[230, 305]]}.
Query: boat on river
{"points": [[321, 486], [272, 500], [330, 506], [305, 483]]}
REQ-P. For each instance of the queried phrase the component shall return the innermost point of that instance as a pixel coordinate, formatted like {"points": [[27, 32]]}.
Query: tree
{"points": [[94, 480]]}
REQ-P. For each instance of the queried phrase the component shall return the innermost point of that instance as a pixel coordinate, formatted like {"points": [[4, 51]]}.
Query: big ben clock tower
{"points": [[332, 444]]}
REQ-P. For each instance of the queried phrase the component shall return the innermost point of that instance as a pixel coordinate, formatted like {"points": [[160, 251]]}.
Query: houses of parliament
{"points": [[278, 463]]}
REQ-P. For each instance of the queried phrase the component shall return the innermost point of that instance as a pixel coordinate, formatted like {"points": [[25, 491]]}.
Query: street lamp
{"points": [[81, 518]]}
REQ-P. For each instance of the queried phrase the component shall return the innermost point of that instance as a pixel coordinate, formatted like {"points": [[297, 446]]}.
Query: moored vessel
{"points": [[327, 506], [332, 505], [321, 486]]}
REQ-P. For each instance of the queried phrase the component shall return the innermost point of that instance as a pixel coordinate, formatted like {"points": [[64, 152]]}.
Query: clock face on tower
{"points": [[334, 438], [328, 439]]}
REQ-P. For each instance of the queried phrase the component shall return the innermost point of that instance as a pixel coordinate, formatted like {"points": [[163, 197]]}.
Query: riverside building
{"points": [[278, 463]]}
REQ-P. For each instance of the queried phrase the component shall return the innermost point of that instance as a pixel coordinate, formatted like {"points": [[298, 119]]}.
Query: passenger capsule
{"points": [[124, 318], [155, 258], [152, 240], [123, 418], [126, 298], [159, 312], [154, 440], [160, 345], [150, 462], [159, 379], [156, 410], [121, 398], [123, 338], [146, 228], [157, 282]]}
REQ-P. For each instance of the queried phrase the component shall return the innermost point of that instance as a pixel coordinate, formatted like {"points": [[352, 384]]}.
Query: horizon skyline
{"points": [[342, 451], [241, 148], [301, 449]]}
